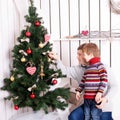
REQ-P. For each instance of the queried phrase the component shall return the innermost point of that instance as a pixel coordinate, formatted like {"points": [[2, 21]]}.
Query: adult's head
{"points": [[80, 55], [90, 50]]}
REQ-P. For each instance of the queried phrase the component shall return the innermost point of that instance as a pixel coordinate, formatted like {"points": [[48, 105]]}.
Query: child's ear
{"points": [[91, 55]]}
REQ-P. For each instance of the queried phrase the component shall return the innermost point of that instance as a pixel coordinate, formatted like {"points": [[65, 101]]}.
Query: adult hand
{"points": [[78, 95], [102, 102], [53, 55]]}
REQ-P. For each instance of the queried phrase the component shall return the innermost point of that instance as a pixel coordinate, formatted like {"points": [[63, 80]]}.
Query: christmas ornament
{"points": [[32, 96], [25, 40], [15, 98], [49, 59], [41, 45], [31, 70], [85, 32], [12, 78], [47, 37], [45, 53], [28, 34], [16, 107], [33, 87], [54, 81], [37, 23], [29, 51], [23, 59], [23, 52], [42, 72]]}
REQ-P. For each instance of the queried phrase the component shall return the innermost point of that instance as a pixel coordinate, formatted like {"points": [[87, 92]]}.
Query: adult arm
{"points": [[74, 72], [112, 84], [107, 102]]}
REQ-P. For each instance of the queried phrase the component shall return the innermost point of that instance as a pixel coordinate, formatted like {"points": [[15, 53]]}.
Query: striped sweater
{"points": [[94, 79]]}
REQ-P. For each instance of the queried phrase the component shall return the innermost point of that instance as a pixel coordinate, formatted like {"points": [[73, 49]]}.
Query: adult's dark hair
{"points": [[81, 46]]}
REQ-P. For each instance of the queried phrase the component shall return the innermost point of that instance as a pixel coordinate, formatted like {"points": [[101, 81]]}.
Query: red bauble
{"points": [[16, 107], [29, 51], [28, 34], [37, 23], [54, 82], [32, 96]]}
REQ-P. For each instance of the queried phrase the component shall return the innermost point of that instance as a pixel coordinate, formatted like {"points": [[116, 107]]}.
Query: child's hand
{"points": [[78, 95], [102, 103], [98, 97]]}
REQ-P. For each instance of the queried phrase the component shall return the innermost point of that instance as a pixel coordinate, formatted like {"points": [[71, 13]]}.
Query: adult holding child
{"points": [[94, 82], [76, 73]]}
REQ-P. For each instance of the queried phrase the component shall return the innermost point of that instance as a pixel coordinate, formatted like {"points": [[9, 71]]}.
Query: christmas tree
{"points": [[32, 72]]}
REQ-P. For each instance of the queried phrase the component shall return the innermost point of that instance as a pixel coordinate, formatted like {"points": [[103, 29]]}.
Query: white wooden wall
{"points": [[62, 18]]}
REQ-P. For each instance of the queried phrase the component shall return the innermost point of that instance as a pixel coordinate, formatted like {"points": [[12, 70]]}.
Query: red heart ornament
{"points": [[47, 37], [85, 32], [31, 70]]}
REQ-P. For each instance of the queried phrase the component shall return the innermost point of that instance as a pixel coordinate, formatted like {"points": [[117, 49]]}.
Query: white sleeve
{"points": [[112, 81], [113, 94], [74, 72]]}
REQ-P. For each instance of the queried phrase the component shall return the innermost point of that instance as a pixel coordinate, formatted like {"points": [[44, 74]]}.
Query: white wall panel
{"points": [[74, 21], [105, 15], [105, 52], [64, 18], [74, 45], [46, 14], [94, 15], [55, 23], [115, 22], [84, 15], [5, 53]]}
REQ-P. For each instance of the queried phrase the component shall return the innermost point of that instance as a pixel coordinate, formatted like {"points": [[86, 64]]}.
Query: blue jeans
{"points": [[78, 114], [90, 110]]}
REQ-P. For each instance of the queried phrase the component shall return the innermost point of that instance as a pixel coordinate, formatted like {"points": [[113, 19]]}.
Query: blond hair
{"points": [[91, 48]]}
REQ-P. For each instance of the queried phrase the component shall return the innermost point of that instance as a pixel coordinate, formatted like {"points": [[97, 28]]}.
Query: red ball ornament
{"points": [[37, 23], [54, 82], [29, 51], [32, 96], [16, 107], [28, 34]]}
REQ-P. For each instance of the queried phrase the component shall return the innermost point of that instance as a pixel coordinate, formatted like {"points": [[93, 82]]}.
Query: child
{"points": [[94, 82]]}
